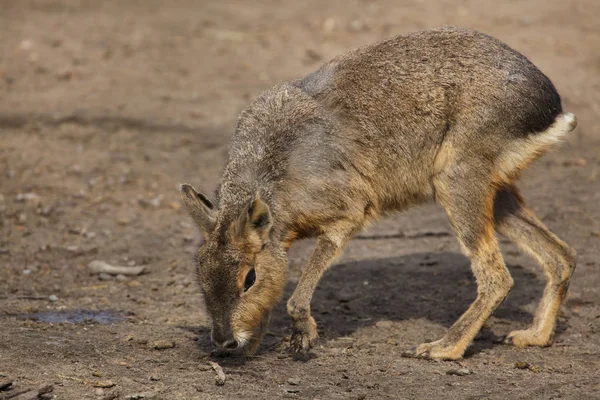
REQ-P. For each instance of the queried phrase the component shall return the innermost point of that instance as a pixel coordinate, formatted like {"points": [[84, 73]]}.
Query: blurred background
{"points": [[105, 106]]}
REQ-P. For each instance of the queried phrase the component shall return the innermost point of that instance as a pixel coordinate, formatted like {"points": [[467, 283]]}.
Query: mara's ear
{"points": [[199, 207], [253, 225]]}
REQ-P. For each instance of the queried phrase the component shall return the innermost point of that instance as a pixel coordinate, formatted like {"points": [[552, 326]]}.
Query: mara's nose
{"points": [[230, 344]]}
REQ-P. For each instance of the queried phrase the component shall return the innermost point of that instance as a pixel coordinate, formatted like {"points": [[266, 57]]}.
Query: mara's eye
{"points": [[250, 279]]}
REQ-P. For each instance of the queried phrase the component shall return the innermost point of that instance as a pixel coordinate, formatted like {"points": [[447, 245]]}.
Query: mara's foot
{"points": [[438, 350], [304, 336], [528, 337]]}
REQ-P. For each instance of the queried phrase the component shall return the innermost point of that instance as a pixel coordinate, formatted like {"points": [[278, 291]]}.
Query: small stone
{"points": [[26, 272], [26, 45], [73, 249], [345, 297], [26, 196], [138, 396], [358, 26], [163, 344], [99, 392], [384, 324], [103, 276], [155, 202], [22, 218], [291, 390], [53, 298], [121, 278], [459, 372], [295, 381], [329, 25], [46, 210], [154, 378], [104, 384]]}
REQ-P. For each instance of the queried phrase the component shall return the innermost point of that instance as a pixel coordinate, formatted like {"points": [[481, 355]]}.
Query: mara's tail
{"points": [[522, 152]]}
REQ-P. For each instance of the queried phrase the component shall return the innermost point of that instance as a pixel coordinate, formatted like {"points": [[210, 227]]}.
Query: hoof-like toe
{"points": [[525, 338], [304, 337], [434, 351]]}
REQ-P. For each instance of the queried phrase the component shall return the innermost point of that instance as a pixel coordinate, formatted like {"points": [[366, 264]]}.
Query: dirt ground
{"points": [[105, 106]]}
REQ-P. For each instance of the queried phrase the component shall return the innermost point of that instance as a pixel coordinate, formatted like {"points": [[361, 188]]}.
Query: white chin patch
{"points": [[242, 338]]}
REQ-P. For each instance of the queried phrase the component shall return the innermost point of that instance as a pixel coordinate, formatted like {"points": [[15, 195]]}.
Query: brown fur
{"points": [[449, 114]]}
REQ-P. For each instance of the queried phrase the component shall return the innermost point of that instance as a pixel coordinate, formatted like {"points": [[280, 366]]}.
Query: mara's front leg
{"points": [[304, 327]]}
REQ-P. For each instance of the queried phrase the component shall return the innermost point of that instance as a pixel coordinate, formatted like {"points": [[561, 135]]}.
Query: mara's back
{"points": [[456, 75], [371, 123]]}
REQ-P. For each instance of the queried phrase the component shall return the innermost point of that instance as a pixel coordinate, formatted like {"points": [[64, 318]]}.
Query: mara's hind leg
{"points": [[467, 194], [515, 221]]}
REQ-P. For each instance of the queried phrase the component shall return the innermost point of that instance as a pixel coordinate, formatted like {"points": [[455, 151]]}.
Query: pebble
{"points": [[99, 392], [155, 202], [53, 298], [26, 196], [136, 396], [121, 278], [345, 297], [26, 44], [329, 25], [459, 372], [295, 381], [103, 276], [358, 26], [45, 210], [163, 344], [384, 324]]}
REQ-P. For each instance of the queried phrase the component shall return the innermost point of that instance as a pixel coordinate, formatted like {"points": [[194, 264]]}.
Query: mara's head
{"points": [[241, 271]]}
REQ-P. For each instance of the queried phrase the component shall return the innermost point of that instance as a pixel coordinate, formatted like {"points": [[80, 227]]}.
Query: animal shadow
{"points": [[435, 286]]}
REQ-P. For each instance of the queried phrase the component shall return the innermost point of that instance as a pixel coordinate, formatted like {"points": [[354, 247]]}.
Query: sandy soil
{"points": [[106, 106]]}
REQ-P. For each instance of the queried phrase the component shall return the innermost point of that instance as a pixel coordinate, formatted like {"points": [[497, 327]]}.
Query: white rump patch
{"points": [[524, 151]]}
